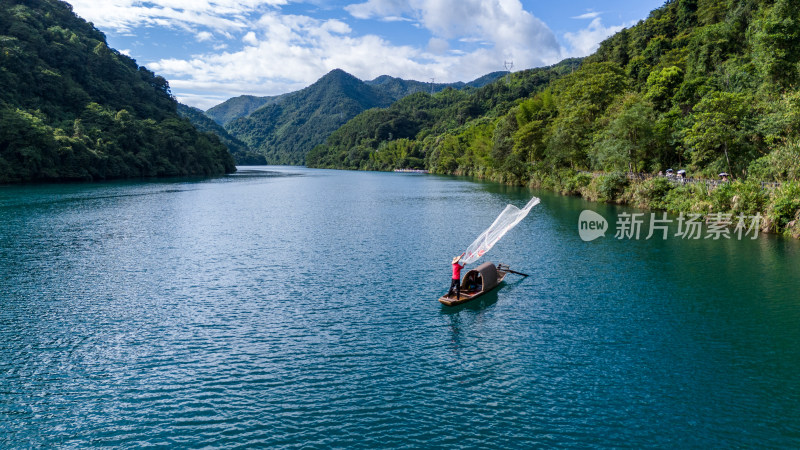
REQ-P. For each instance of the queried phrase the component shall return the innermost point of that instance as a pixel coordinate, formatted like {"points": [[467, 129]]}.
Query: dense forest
{"points": [[709, 86], [283, 129], [706, 85], [241, 153], [241, 106], [71, 108], [403, 135]]}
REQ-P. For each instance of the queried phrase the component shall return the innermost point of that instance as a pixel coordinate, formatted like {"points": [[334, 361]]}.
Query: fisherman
{"points": [[456, 281]]}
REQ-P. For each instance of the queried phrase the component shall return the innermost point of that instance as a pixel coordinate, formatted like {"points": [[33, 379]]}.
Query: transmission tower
{"points": [[432, 80], [508, 65]]}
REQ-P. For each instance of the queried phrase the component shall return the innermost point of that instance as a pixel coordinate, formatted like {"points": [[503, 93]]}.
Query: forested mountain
{"points": [[73, 108], [395, 88], [240, 106], [283, 131], [288, 126], [383, 139], [707, 85], [398, 88], [239, 150]]}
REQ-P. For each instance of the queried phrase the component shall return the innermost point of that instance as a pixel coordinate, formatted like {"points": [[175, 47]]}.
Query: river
{"points": [[291, 307]]}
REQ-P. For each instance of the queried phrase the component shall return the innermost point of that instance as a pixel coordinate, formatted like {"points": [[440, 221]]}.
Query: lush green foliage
{"points": [[284, 131], [72, 108], [241, 106], [706, 85], [450, 130], [286, 128], [239, 150]]}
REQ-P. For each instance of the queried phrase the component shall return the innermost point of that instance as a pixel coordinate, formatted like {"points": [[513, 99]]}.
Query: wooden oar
{"points": [[506, 269], [518, 273]]}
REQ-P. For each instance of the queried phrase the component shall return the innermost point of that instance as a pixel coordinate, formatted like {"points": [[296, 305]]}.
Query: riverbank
{"points": [[777, 204]]}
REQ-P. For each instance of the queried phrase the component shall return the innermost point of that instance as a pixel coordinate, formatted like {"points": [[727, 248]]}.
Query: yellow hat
{"points": [[455, 260]]}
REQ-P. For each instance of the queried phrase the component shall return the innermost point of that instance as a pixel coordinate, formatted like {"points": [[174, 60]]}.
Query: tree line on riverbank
{"points": [[705, 85], [71, 108]]}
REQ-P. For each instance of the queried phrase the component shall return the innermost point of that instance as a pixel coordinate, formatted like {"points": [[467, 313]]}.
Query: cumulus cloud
{"points": [[288, 52], [253, 47], [585, 42], [438, 46], [504, 26], [250, 38]]}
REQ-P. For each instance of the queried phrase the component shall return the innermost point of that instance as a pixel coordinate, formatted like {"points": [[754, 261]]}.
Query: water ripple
{"points": [[299, 311]]}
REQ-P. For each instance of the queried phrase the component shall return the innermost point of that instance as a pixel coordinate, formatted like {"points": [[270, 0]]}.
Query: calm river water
{"points": [[290, 307]]}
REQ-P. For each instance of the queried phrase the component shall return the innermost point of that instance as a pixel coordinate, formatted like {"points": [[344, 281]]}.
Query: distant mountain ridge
{"points": [[244, 105], [283, 129], [240, 106]]}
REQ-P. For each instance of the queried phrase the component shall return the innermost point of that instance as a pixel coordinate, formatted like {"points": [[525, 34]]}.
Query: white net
{"points": [[507, 220]]}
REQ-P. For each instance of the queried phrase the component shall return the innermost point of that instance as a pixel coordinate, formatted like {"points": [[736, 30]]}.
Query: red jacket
{"points": [[457, 270]]}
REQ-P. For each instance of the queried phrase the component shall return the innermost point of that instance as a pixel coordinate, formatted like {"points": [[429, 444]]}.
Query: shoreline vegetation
{"points": [[709, 87], [778, 204]]}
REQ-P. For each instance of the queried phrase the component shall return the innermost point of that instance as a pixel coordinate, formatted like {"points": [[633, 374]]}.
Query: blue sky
{"points": [[211, 50]]}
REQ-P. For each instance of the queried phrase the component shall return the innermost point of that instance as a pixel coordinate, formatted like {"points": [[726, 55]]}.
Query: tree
{"points": [[626, 143], [661, 86], [719, 138], [776, 41]]}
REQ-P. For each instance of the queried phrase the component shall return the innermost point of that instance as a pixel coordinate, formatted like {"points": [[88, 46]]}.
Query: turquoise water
{"points": [[289, 307]]}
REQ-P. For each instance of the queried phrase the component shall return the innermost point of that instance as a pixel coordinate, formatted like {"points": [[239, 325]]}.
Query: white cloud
{"points": [[204, 36], [438, 46], [379, 8], [504, 26], [585, 42], [588, 15], [250, 38], [125, 15], [287, 52], [254, 48]]}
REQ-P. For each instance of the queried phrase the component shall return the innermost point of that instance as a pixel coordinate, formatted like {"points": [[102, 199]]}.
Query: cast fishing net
{"points": [[507, 220]]}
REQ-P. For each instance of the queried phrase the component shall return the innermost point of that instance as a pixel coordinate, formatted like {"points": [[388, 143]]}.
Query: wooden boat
{"points": [[477, 282]]}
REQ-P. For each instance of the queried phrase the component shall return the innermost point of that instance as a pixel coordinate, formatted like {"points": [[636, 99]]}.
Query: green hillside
{"points": [[400, 136], [705, 85], [395, 88], [283, 131], [708, 86], [240, 106], [286, 128], [73, 108], [239, 150]]}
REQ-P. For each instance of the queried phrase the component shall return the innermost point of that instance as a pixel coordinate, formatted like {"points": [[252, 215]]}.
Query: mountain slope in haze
{"points": [[240, 106], [73, 108], [241, 153], [286, 129]]}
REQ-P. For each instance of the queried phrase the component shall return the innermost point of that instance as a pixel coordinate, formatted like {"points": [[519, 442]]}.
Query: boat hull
{"points": [[469, 295]]}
